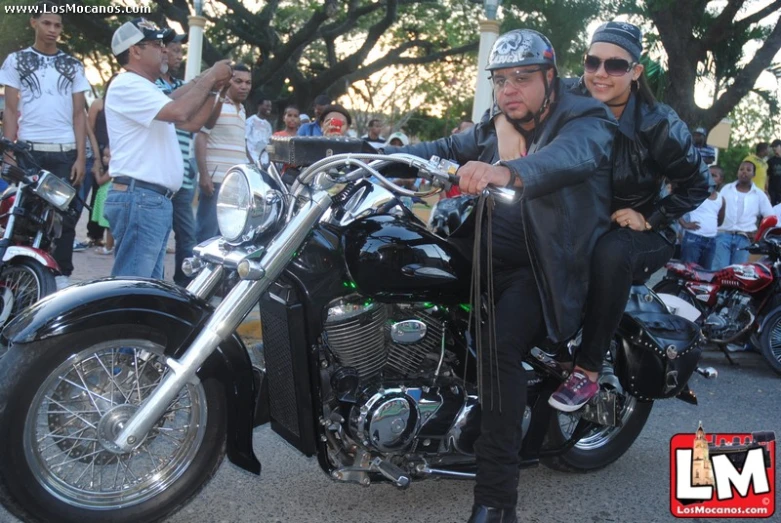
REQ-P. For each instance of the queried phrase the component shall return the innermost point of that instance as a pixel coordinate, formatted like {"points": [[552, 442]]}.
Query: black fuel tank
{"points": [[393, 258]]}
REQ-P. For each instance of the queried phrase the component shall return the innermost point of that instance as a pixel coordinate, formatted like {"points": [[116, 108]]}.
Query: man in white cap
{"points": [[146, 163]]}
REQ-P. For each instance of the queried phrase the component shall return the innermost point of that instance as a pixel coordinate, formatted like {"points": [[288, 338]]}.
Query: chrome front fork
{"points": [[226, 318]]}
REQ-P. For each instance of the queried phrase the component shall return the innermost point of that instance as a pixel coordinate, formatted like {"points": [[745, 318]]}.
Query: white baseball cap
{"points": [[138, 30]]}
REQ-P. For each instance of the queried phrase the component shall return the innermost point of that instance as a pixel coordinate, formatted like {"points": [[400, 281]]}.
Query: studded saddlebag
{"points": [[658, 354]]}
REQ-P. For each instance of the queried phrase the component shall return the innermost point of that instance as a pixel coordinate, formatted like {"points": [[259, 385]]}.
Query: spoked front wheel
{"points": [[22, 283], [69, 403]]}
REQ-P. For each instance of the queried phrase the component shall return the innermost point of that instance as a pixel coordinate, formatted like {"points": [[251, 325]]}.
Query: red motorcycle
{"points": [[31, 210], [737, 304]]}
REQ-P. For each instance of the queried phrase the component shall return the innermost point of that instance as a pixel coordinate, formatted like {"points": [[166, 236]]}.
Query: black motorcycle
{"points": [[121, 396]]}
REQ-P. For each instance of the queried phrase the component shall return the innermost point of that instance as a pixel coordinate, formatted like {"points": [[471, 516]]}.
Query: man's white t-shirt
{"points": [[257, 133], [141, 147], [46, 84]]}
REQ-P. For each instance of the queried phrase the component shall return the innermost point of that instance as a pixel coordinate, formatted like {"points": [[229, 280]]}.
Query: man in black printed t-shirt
{"points": [[44, 105]]}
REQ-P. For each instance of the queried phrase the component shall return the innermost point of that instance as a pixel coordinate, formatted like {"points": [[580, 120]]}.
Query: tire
{"points": [[770, 340], [28, 276], [603, 445], [53, 466]]}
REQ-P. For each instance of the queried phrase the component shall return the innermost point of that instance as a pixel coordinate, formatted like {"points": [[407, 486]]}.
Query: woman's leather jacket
{"points": [[652, 143]]}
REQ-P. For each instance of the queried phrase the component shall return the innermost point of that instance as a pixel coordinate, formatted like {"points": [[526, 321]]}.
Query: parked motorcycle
{"points": [[31, 220], [738, 304], [122, 396]]}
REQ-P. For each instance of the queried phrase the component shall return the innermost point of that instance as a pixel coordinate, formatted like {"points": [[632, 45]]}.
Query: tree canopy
{"points": [[301, 48]]}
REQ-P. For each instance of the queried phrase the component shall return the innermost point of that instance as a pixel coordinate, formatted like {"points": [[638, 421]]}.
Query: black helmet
{"points": [[521, 47]]}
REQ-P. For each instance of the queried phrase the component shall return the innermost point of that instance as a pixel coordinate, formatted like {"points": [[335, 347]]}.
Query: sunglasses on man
{"points": [[613, 66]]}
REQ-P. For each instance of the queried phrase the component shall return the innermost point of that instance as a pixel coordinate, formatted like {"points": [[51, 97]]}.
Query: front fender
{"points": [[39, 255], [168, 310]]}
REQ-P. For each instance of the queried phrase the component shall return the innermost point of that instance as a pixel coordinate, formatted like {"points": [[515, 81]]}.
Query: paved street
{"points": [[292, 488]]}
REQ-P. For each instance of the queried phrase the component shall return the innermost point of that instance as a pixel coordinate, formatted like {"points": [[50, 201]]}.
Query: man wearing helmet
{"points": [[542, 243]]}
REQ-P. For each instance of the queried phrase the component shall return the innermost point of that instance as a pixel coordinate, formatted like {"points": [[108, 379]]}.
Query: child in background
{"points": [[103, 180]]}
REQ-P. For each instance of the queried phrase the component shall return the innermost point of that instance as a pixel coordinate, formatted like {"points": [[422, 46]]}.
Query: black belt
{"points": [[132, 183]]}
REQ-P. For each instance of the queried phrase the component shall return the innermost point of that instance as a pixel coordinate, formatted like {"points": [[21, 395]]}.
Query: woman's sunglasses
{"points": [[613, 66]]}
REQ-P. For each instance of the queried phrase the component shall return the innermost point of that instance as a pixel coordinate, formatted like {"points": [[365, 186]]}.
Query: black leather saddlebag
{"points": [[658, 354]]}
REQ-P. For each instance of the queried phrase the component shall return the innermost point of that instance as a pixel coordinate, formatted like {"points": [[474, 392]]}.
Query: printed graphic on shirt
{"points": [[33, 67]]}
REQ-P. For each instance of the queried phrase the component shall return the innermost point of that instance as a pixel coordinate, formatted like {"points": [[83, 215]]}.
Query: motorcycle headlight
{"points": [[247, 204], [54, 190]]}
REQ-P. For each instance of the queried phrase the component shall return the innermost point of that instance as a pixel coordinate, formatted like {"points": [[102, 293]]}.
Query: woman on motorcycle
{"points": [[652, 143]]}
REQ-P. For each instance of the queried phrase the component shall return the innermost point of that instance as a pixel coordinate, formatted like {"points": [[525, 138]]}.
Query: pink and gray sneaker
{"points": [[573, 393]]}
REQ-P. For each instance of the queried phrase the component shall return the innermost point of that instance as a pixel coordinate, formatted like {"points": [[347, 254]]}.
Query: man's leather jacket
{"points": [[565, 196], [652, 143]]}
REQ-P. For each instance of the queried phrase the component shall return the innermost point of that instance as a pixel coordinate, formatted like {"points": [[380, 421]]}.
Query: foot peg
{"points": [[391, 472], [601, 409]]}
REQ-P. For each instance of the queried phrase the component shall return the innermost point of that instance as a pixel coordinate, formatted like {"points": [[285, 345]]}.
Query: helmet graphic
{"points": [[521, 47]]}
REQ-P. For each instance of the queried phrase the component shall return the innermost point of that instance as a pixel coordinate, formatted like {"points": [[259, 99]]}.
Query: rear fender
{"points": [[169, 311]]}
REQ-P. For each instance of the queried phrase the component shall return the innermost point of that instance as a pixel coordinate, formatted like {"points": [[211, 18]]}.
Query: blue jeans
{"points": [[727, 250], [141, 221], [206, 216], [698, 249], [184, 232]]}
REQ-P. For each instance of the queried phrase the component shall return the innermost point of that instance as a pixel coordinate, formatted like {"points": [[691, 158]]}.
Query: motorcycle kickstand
{"points": [[723, 347]]}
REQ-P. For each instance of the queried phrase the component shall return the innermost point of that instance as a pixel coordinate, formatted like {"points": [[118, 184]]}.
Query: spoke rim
{"points": [[601, 436], [24, 284], [62, 432], [775, 340]]}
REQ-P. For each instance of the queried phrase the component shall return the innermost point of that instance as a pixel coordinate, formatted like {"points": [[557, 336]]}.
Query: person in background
{"points": [[374, 136], [219, 146], [88, 188], [774, 173], [745, 204], [717, 176], [334, 120], [291, 121], [313, 127], [304, 119], [102, 179], [184, 220], [44, 106], [700, 229], [707, 153], [258, 130], [146, 161], [760, 165], [397, 139]]}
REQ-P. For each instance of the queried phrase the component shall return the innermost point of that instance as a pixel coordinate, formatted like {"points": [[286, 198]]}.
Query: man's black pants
{"points": [[60, 164], [519, 323]]}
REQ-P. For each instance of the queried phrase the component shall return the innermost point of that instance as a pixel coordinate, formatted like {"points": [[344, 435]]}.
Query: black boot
{"points": [[483, 514]]}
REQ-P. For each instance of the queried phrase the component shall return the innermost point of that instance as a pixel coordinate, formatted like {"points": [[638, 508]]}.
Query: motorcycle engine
{"points": [[730, 318], [387, 357]]}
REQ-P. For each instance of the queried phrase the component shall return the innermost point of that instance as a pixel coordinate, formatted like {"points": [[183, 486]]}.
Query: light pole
{"points": [[195, 40], [489, 32]]}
